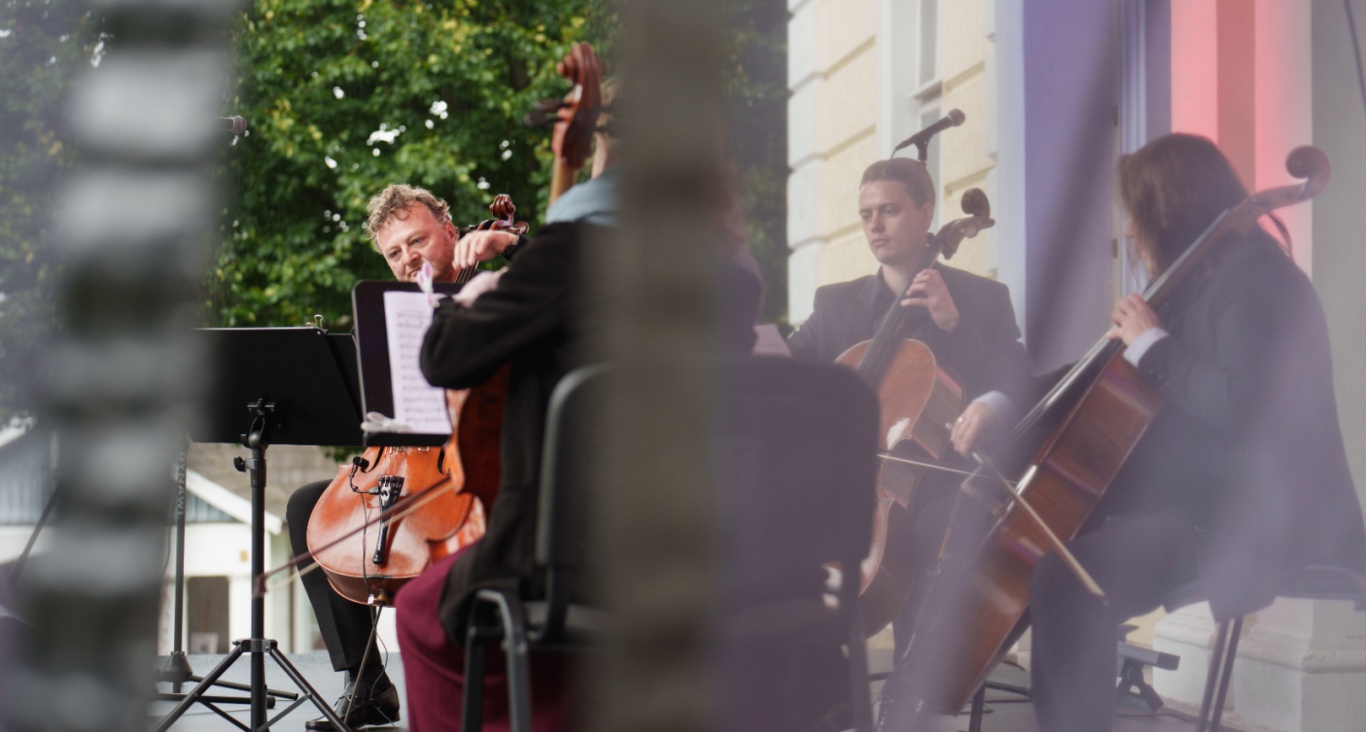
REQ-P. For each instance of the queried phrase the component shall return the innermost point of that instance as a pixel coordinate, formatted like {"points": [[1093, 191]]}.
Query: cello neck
{"points": [[945, 242], [875, 361]]}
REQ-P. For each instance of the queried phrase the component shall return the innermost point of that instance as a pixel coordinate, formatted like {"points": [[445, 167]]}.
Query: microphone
{"points": [[236, 125], [922, 138]]}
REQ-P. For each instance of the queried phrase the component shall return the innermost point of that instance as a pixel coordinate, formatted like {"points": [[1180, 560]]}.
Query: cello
{"points": [[457, 484], [575, 117], [1073, 444], [919, 398]]}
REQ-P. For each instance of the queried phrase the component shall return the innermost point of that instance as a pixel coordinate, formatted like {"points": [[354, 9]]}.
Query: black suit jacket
{"points": [[984, 350], [531, 322], [1248, 439]]}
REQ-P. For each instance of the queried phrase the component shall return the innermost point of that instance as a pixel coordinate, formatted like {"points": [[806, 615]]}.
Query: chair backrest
{"points": [[794, 455], [573, 421], [793, 450]]}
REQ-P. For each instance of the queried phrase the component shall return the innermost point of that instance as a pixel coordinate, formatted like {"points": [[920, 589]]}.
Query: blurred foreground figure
{"points": [[1242, 478], [533, 317]]}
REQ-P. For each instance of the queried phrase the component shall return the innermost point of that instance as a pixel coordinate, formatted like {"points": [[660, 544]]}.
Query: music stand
{"points": [[295, 387], [177, 670]]}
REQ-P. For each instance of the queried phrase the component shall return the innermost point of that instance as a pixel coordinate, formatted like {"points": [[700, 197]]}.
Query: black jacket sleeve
{"points": [[464, 346]]}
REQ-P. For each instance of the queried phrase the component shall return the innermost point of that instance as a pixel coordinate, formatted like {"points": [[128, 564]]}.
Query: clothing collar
{"points": [[875, 290], [594, 202]]}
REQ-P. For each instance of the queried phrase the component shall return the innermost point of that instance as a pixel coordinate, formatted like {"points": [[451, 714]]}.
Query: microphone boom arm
{"points": [[921, 139]]}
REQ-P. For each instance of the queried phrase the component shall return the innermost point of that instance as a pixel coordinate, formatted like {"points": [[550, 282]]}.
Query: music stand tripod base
{"points": [[177, 670], [296, 387], [258, 647]]}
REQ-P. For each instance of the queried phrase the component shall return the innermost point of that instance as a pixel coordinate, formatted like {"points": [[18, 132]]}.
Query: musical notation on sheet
{"points": [[419, 406]]}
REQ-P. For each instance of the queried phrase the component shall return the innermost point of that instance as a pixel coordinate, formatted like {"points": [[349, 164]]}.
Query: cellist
{"points": [[410, 227], [1240, 480], [967, 321]]}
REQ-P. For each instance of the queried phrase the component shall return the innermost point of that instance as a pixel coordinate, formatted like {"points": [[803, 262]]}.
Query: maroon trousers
{"points": [[434, 668]]}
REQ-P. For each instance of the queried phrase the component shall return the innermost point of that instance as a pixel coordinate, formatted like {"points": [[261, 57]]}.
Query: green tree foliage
{"points": [[43, 47], [755, 88], [346, 96]]}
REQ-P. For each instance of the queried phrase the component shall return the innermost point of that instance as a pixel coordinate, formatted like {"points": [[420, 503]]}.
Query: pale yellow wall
{"points": [[837, 93], [964, 163]]}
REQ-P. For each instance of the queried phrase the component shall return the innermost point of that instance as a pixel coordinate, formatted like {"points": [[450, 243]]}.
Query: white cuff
{"points": [[1000, 404], [1134, 353]]}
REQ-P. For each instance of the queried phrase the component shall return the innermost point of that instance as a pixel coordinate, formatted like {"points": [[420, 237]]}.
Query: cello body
{"points": [[373, 564], [1083, 448], [918, 399]]}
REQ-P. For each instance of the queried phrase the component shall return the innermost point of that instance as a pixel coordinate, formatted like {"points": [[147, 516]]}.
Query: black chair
{"points": [[794, 450], [1320, 582], [796, 456], [554, 624]]}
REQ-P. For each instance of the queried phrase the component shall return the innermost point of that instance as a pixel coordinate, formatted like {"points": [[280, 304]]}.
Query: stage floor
{"points": [[1007, 712]]}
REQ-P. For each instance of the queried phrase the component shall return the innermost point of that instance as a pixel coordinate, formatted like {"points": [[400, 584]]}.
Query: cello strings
{"points": [[419, 500]]}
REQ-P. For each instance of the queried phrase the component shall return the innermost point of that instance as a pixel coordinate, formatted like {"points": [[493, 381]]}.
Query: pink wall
{"points": [[1241, 76]]}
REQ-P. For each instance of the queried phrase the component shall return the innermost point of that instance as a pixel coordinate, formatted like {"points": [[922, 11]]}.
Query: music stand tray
{"points": [[288, 386]]}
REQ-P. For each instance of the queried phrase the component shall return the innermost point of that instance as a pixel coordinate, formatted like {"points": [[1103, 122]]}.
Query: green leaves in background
{"points": [[345, 97]]}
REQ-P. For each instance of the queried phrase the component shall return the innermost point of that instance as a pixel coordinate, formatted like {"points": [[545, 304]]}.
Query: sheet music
{"points": [[420, 406]]}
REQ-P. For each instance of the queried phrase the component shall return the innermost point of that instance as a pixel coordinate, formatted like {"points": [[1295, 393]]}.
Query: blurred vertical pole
{"points": [[131, 227], [658, 530]]}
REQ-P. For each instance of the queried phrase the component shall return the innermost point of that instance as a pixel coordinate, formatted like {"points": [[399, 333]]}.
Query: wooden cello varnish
{"points": [[459, 482]]}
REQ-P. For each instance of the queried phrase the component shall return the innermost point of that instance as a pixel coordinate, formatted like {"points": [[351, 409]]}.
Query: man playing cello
{"points": [[967, 321], [410, 227]]}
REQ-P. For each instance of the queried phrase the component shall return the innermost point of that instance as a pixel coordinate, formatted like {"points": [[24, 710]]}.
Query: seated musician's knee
{"points": [[1052, 582], [301, 503]]}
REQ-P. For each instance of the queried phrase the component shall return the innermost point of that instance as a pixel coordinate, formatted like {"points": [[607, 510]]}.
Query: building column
{"points": [[1302, 665], [805, 82], [1066, 126]]}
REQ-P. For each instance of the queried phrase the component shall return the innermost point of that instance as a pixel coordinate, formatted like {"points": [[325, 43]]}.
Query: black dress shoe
{"points": [[378, 710]]}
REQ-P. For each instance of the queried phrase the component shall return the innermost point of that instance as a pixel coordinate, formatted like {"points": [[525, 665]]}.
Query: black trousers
{"points": [[1138, 561], [345, 625], [947, 525]]}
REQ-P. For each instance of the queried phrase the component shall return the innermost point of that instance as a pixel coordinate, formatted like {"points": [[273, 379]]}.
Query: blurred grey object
{"points": [[131, 230]]}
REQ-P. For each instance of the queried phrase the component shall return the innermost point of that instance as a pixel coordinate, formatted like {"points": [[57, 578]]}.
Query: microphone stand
{"points": [[922, 146]]}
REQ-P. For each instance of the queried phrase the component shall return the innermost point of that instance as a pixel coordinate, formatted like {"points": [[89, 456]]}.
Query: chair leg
{"points": [[518, 669], [978, 708], [472, 703], [1230, 655], [858, 679], [1212, 679]]}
